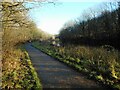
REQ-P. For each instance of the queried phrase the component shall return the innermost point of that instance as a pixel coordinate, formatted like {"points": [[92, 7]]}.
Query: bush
{"points": [[100, 64]]}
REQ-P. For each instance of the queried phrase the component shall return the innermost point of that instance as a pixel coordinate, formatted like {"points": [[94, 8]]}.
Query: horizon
{"points": [[51, 18]]}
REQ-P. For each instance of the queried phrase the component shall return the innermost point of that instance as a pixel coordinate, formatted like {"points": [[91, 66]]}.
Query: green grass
{"points": [[34, 73], [97, 63], [17, 70]]}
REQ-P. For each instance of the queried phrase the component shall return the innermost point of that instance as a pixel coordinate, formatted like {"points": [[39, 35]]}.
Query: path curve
{"points": [[54, 74]]}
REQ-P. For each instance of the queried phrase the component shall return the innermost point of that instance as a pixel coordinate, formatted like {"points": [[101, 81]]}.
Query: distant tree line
{"points": [[102, 29]]}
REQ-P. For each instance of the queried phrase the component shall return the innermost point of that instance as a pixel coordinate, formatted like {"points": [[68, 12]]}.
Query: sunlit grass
{"points": [[17, 72], [100, 63]]}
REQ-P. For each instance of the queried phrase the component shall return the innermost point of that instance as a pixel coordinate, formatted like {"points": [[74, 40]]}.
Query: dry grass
{"points": [[101, 63]]}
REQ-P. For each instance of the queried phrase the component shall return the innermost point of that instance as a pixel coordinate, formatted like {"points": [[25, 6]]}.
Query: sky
{"points": [[51, 18]]}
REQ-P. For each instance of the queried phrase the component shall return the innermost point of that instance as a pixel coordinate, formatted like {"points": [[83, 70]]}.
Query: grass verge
{"points": [[97, 63], [37, 85], [17, 70]]}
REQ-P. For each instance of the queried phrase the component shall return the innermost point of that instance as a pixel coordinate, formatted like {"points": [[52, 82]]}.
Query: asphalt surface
{"points": [[54, 74]]}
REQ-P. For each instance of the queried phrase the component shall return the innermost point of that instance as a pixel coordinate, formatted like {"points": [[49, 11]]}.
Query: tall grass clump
{"points": [[99, 63]]}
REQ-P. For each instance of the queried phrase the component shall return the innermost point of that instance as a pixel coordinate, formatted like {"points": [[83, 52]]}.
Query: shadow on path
{"points": [[54, 74]]}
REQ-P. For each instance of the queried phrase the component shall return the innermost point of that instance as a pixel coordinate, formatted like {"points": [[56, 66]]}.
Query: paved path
{"points": [[54, 74]]}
